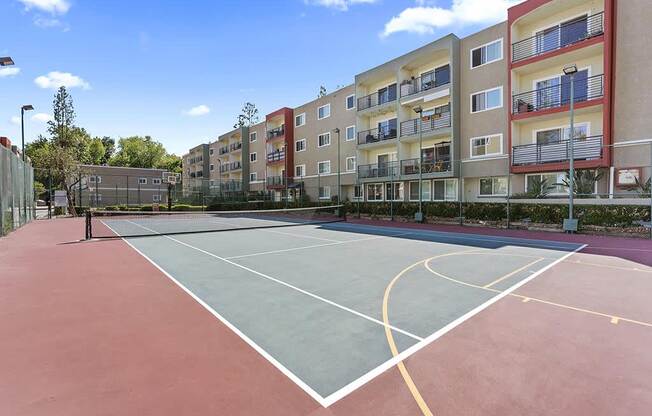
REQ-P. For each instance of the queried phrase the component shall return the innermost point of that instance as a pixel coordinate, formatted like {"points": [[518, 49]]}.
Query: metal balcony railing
{"points": [[276, 156], [235, 165], [559, 37], [427, 124], [275, 181], [277, 132], [235, 146], [378, 170], [558, 95], [424, 83], [223, 150], [375, 99], [584, 148], [376, 135], [411, 166]]}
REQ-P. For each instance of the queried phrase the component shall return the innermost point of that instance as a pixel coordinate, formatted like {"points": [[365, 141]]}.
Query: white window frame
{"points": [[142, 181], [328, 162], [401, 187], [211, 151], [565, 193], [253, 176], [346, 102], [327, 195], [562, 128], [324, 134], [346, 134], [156, 198], [324, 106], [95, 197], [156, 181], [426, 184], [253, 157], [485, 92], [303, 118], [253, 136], [488, 136], [305, 145], [346, 164], [361, 196], [382, 191], [211, 167], [93, 178], [303, 171], [558, 26], [493, 191], [502, 53]]}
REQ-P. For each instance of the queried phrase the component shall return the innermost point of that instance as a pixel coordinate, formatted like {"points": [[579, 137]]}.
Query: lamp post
{"points": [[6, 61], [24, 108], [339, 181], [570, 225], [418, 217]]}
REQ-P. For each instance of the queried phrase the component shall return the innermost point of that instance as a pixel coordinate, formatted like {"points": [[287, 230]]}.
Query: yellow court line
{"points": [[546, 302], [629, 269], [508, 275]]}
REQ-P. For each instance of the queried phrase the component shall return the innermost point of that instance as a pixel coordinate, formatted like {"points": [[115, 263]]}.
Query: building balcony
{"points": [[276, 156], [585, 148], [228, 186], [275, 133], [558, 37], [376, 135], [430, 167], [428, 125], [378, 170], [233, 166], [585, 89], [224, 168], [223, 150], [234, 147], [275, 182], [427, 84], [377, 100]]}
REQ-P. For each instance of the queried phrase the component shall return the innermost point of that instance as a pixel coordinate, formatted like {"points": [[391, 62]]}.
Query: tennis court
{"points": [[331, 304]]}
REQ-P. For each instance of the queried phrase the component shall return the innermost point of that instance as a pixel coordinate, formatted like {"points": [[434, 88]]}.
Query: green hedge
{"points": [[599, 215]]}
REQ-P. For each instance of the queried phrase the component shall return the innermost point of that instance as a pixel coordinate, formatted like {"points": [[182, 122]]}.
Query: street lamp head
{"points": [[570, 69], [6, 61], [27, 107], [336, 130], [418, 109]]}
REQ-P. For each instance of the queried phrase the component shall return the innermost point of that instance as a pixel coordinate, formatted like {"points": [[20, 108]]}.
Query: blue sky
{"points": [[141, 67]]}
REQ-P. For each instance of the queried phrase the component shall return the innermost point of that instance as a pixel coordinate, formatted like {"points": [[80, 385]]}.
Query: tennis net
{"points": [[119, 224]]}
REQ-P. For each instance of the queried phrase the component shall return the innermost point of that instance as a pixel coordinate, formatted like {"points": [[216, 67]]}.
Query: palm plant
{"points": [[538, 188], [584, 182], [643, 188]]}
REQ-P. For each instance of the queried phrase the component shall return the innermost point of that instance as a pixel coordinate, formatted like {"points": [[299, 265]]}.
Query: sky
{"points": [[181, 70]]}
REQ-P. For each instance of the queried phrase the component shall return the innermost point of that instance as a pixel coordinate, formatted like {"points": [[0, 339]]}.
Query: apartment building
{"points": [[411, 99], [228, 168], [196, 169], [323, 129], [113, 185], [491, 111]]}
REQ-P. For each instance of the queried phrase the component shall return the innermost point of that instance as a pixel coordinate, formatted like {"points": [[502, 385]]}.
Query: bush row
{"points": [[600, 215]]}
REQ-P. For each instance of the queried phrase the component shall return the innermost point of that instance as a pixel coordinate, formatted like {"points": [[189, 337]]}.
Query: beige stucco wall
{"points": [[554, 13]]}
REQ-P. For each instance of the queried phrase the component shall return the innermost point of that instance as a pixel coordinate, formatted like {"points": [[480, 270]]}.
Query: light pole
{"points": [[570, 225], [6, 61], [339, 181], [418, 217], [24, 108]]}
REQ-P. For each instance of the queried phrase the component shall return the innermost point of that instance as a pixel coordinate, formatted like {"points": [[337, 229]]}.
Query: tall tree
{"points": [[138, 152], [96, 151], [63, 118], [109, 148], [248, 116]]}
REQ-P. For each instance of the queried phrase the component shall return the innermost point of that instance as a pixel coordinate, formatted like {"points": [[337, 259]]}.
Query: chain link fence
{"points": [[17, 204]]}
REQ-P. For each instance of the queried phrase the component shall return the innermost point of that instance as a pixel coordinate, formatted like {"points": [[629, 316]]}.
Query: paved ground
{"points": [[105, 331]]}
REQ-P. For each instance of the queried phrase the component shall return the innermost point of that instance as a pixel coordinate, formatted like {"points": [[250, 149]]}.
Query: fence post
{"points": [[50, 195]]}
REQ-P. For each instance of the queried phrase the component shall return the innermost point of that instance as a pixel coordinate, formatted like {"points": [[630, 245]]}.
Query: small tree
{"points": [[322, 91], [643, 188], [538, 188], [248, 116], [584, 182]]}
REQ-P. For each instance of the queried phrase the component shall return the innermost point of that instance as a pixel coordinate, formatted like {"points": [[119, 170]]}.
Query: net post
{"points": [[89, 230]]}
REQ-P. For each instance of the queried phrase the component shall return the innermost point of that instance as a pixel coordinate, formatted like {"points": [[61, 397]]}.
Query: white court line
{"points": [[273, 279], [302, 236]]}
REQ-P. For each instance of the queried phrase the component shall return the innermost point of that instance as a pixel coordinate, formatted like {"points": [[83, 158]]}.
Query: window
{"points": [[553, 182], [487, 100], [300, 120], [156, 198], [324, 167], [375, 192], [425, 191], [253, 176], [324, 192], [212, 167], [357, 192], [493, 186], [95, 179], [562, 34], [96, 198], [387, 94], [350, 133], [324, 139], [210, 152], [394, 191], [253, 136], [324, 111], [556, 135], [300, 171], [156, 181], [487, 146], [350, 164], [253, 157], [350, 102], [486, 54], [142, 181]]}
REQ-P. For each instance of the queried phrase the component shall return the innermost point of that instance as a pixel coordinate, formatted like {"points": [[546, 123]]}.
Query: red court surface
{"points": [[95, 329]]}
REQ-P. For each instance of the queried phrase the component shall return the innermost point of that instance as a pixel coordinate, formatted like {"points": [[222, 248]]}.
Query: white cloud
{"points": [[49, 6], [14, 120], [46, 22], [200, 110], [9, 72], [56, 79], [42, 117], [425, 19], [342, 5]]}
